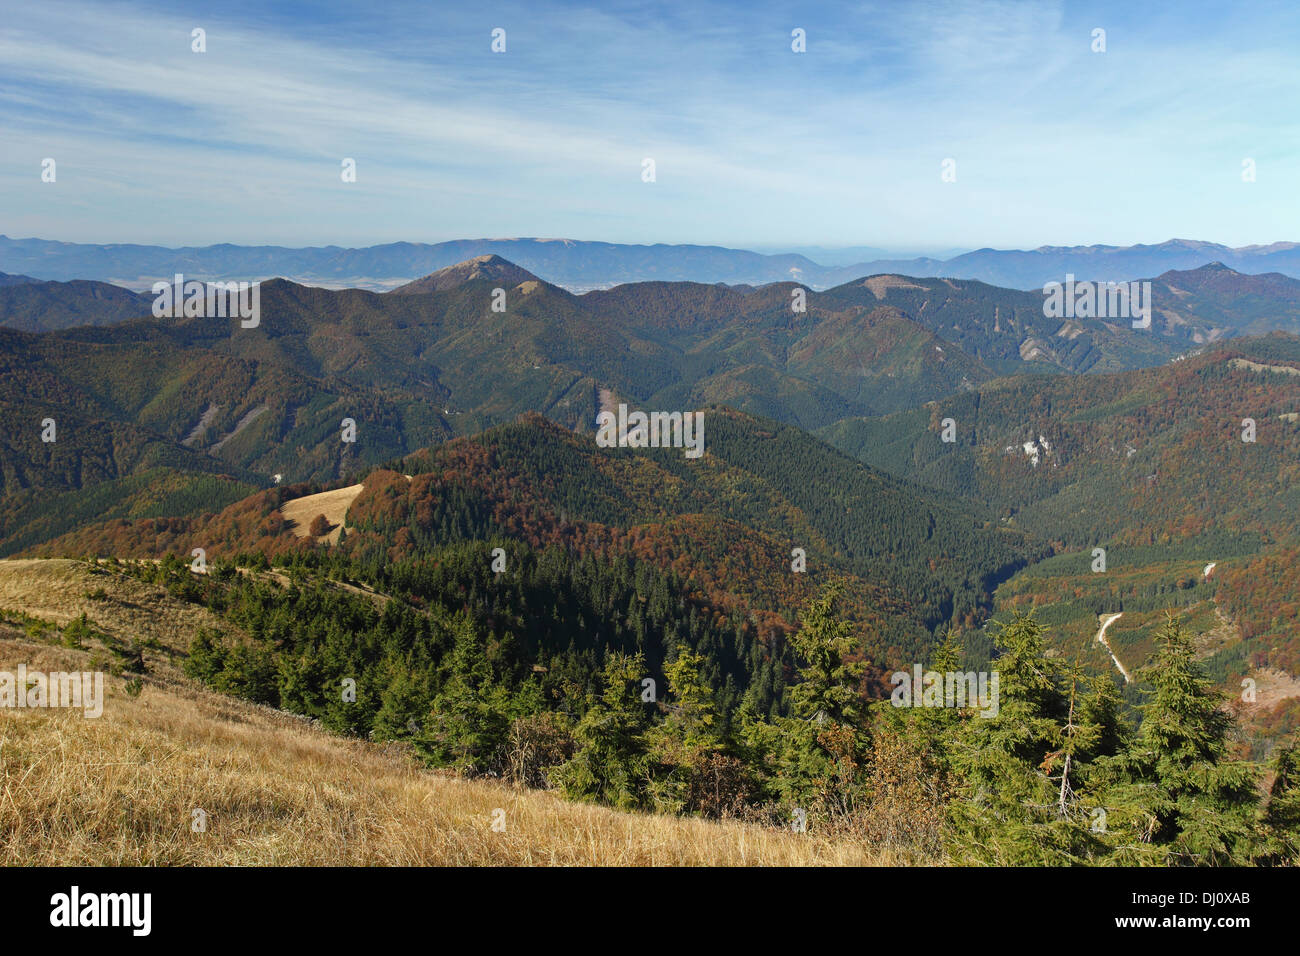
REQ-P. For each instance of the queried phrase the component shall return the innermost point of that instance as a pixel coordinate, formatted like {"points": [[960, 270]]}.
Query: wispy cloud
{"points": [[754, 145]]}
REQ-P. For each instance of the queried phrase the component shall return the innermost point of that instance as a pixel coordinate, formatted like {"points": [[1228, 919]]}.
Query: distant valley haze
{"points": [[582, 265]]}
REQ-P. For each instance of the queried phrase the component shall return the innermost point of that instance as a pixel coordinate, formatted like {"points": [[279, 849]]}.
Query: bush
{"points": [[720, 787], [77, 631], [908, 797], [537, 743]]}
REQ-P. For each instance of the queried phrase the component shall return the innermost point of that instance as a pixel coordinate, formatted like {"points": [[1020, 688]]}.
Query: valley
{"points": [[222, 410], [407, 495]]}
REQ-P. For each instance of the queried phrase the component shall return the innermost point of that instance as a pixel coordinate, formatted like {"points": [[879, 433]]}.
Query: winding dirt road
{"points": [[1106, 621]]}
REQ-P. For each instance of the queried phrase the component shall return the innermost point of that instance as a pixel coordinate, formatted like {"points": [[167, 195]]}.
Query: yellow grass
{"points": [[121, 789], [58, 589], [332, 504]]}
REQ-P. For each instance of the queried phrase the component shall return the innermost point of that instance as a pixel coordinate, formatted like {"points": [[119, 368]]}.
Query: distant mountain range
{"points": [[1000, 327], [579, 265], [229, 406]]}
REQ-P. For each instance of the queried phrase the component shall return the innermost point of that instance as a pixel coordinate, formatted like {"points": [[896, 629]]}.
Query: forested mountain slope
{"points": [[727, 522], [1185, 476]]}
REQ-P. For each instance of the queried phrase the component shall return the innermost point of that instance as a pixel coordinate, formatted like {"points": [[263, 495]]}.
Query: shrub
{"points": [[537, 743], [77, 630]]}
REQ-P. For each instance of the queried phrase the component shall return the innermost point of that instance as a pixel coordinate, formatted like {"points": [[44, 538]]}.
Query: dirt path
{"points": [[1106, 621], [605, 401], [248, 419], [205, 420]]}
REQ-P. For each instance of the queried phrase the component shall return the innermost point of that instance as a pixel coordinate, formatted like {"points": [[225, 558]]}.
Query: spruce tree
{"points": [[1016, 805], [470, 720], [680, 744], [610, 764], [1282, 810], [403, 705], [828, 680], [1176, 796], [821, 750]]}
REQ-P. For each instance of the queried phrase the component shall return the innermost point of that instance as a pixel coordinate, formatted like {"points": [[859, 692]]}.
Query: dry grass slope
{"points": [[332, 504], [121, 789], [59, 589]]}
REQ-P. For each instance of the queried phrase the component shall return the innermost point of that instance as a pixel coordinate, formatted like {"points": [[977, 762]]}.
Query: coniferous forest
{"points": [[605, 682]]}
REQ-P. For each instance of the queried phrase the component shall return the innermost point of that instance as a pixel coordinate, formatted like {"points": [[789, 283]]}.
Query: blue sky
{"points": [[754, 145]]}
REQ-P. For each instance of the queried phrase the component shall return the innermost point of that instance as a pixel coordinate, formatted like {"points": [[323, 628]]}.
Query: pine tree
{"points": [[930, 730], [403, 707], [1176, 796], [828, 680], [819, 753], [1282, 811], [679, 745], [610, 764], [1010, 808], [692, 716], [470, 719]]}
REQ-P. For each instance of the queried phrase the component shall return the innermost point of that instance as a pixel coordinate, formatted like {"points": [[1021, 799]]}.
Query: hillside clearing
{"points": [[332, 504], [58, 590]]}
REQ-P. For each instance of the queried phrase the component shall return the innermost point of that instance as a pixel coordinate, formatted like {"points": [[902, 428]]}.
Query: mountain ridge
{"points": [[490, 266], [582, 264]]}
